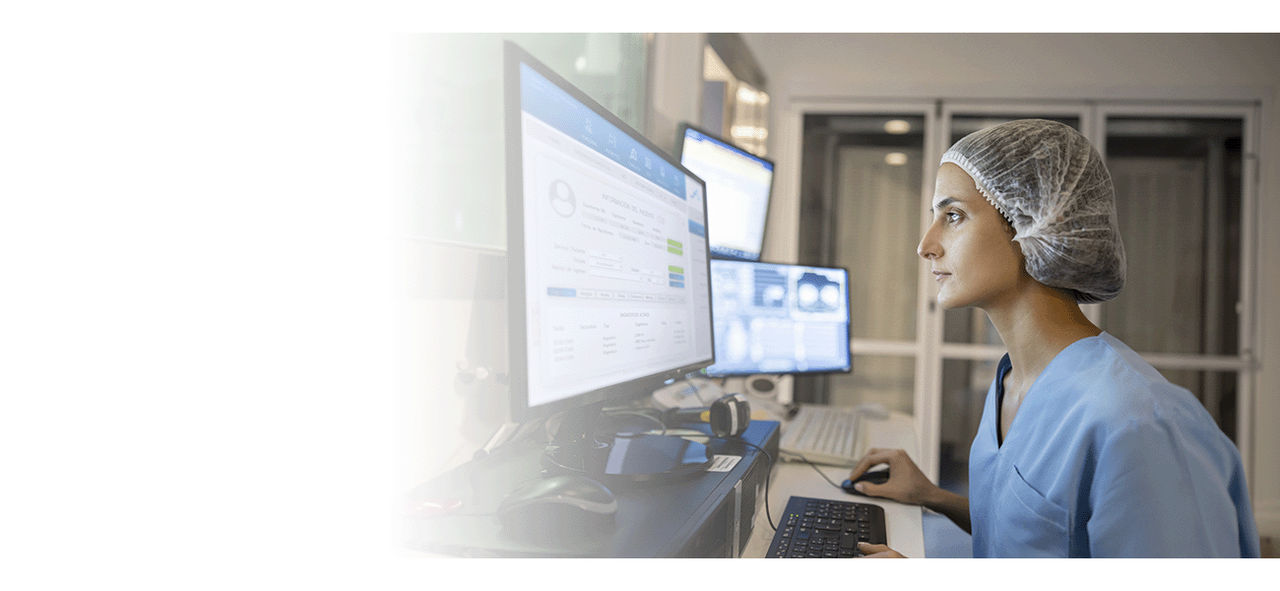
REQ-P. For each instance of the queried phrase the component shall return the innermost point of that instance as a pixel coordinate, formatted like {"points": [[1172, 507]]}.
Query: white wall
{"points": [[813, 67], [675, 85]]}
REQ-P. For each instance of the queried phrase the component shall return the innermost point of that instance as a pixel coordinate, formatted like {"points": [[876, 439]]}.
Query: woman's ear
{"points": [[1017, 247]]}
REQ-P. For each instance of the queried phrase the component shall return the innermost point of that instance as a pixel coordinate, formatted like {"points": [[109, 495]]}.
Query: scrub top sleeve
{"points": [[1145, 501]]}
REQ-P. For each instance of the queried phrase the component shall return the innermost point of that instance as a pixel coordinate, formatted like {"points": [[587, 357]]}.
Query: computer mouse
{"points": [[564, 505], [872, 476]]}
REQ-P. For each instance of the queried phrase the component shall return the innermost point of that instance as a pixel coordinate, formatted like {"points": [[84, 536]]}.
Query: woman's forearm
{"points": [[954, 506]]}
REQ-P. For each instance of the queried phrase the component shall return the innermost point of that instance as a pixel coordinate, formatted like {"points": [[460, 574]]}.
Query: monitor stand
{"points": [[591, 443]]}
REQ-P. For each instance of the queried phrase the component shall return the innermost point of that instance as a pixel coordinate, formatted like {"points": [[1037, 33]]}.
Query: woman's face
{"points": [[969, 246]]}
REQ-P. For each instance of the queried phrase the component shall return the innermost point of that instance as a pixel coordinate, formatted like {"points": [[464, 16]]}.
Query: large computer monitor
{"points": [[739, 184], [609, 283], [779, 319]]}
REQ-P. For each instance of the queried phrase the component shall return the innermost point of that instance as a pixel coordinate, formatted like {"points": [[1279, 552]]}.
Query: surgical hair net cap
{"points": [[1051, 185]]}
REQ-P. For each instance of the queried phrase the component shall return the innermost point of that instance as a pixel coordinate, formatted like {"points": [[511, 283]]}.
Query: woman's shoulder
{"points": [[1103, 360], [1117, 388]]}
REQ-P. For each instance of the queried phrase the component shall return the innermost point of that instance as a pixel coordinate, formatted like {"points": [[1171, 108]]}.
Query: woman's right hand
{"points": [[906, 484]]}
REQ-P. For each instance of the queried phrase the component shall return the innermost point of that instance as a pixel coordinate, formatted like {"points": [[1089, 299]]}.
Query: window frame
{"points": [[1245, 362]]}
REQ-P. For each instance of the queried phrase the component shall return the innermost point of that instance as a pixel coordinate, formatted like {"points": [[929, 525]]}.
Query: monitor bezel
{"points": [[848, 294], [683, 132], [513, 57]]}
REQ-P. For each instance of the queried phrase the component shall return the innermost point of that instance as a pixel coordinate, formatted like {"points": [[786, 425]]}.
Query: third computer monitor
{"points": [[738, 188], [779, 319]]}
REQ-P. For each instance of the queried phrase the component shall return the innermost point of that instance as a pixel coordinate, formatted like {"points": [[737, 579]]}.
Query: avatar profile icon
{"points": [[563, 200]]}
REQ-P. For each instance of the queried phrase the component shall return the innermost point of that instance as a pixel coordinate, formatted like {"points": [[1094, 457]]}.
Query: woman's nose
{"points": [[929, 247]]}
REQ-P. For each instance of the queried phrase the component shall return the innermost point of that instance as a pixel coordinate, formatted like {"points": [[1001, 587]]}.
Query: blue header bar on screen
{"points": [[543, 99], [697, 136]]}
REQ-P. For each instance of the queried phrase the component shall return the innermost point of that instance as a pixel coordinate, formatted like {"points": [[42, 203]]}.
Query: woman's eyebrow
{"points": [[942, 204]]}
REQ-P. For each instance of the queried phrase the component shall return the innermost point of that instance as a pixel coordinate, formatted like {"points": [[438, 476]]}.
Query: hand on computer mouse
{"points": [[906, 484], [873, 477]]}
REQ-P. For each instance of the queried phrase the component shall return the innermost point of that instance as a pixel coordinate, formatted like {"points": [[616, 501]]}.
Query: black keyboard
{"points": [[822, 528]]}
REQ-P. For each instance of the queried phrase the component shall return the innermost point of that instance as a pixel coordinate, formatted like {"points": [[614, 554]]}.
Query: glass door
{"points": [[1183, 187], [863, 171]]}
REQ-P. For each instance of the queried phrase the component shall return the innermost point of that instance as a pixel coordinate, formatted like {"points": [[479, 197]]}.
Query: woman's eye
{"points": [[952, 217]]}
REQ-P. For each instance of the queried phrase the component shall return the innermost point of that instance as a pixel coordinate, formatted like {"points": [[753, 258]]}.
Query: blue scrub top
{"points": [[1106, 458]]}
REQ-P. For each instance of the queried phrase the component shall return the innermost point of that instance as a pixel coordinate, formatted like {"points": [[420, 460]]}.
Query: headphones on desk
{"points": [[729, 415]]}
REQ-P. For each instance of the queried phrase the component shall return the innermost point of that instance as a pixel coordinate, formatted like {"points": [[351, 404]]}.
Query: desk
{"points": [[693, 515], [903, 523], [483, 484]]}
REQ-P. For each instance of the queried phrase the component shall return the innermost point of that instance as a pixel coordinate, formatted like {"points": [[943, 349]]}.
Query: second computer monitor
{"points": [[779, 319], [738, 188]]}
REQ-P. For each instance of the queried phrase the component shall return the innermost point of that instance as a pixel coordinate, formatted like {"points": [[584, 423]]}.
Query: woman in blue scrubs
{"points": [[1083, 449]]}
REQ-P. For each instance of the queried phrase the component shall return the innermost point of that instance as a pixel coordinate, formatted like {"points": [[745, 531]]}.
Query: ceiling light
{"points": [[749, 132], [751, 97], [897, 126], [895, 158]]}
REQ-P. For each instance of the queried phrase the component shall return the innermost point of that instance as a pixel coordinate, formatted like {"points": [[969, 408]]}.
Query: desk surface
{"points": [[903, 523]]}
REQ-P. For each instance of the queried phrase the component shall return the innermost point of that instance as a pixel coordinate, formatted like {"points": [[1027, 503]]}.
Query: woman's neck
{"points": [[1036, 325]]}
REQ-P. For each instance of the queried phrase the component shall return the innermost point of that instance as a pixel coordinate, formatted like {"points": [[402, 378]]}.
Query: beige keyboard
{"points": [[822, 434]]}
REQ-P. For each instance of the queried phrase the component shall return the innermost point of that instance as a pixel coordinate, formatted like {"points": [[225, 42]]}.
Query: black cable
{"points": [[816, 469], [768, 470], [767, 476], [696, 390], [643, 413], [550, 456], [640, 412]]}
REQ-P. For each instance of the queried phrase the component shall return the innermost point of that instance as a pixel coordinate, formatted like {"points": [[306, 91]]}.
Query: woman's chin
{"points": [[948, 302]]}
